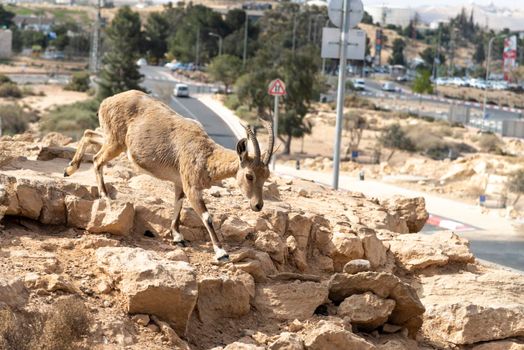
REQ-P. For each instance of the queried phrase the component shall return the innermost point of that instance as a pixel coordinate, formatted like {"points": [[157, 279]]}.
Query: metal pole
{"points": [[275, 131], [244, 56], [341, 91], [487, 77]]}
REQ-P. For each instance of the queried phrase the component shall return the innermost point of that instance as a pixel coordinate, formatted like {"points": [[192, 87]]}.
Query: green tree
{"points": [[480, 52], [6, 17], [428, 55], [422, 83], [395, 137], [120, 72], [367, 18], [397, 57], [225, 69], [156, 32]]}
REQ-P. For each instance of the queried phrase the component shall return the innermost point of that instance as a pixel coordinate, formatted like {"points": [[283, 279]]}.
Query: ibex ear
{"points": [[242, 149]]}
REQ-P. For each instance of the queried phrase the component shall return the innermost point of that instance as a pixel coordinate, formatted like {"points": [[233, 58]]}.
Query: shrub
{"points": [[10, 90], [354, 101], [79, 82], [490, 142], [72, 119], [5, 79], [14, 119], [395, 137], [232, 102], [516, 182]]}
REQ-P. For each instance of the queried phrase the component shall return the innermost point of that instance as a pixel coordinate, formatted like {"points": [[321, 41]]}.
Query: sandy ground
{"points": [[502, 98], [29, 65]]}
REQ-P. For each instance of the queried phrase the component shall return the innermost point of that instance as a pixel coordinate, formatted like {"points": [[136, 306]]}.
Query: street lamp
{"points": [[488, 62], [219, 42]]}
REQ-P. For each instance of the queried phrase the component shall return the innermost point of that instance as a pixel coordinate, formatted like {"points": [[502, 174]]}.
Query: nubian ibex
{"points": [[171, 147]]}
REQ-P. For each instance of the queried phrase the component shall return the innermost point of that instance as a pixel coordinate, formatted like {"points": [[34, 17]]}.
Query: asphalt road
{"points": [[161, 83], [489, 243]]}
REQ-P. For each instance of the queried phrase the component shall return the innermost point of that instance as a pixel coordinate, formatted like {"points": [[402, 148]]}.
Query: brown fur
{"points": [[170, 147]]}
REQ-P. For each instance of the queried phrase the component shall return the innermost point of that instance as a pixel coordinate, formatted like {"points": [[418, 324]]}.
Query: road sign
{"points": [[277, 88], [356, 12], [356, 43]]}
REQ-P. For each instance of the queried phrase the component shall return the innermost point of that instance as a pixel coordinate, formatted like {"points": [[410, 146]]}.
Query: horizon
{"points": [[452, 3]]}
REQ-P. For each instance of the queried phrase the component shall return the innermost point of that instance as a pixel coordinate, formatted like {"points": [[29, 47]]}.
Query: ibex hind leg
{"points": [[107, 152], [90, 137], [178, 238]]}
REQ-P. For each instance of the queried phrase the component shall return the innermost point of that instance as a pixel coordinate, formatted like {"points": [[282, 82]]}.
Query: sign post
{"points": [[276, 88], [344, 14]]}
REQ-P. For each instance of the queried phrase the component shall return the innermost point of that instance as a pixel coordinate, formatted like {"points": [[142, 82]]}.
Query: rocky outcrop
{"points": [[408, 308], [454, 316], [368, 311], [151, 284], [411, 210], [416, 252], [289, 301], [334, 336]]}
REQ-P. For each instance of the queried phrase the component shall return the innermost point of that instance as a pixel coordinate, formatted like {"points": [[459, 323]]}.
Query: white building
{"points": [[391, 15]]}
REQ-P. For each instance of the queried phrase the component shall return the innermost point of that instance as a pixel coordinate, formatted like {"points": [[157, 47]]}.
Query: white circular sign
{"points": [[356, 12]]}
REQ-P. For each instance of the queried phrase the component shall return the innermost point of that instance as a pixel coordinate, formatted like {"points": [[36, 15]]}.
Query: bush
{"points": [[10, 90], [395, 137], [14, 119], [232, 102], [354, 101], [490, 142], [79, 82], [516, 182], [5, 79], [60, 328], [73, 119]]}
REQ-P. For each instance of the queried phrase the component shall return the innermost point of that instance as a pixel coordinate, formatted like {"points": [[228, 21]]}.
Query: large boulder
{"points": [[236, 229], [416, 252], [501, 345], [367, 310], [13, 293], [287, 341], [333, 335], [289, 301], [220, 297], [116, 217], [151, 284], [346, 246], [411, 210], [408, 308], [467, 308]]}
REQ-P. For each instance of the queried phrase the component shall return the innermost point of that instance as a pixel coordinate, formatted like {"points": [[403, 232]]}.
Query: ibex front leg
{"points": [[195, 198], [90, 137]]}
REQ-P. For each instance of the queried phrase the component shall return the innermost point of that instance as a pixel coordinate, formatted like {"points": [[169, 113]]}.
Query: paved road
{"points": [[493, 241], [160, 82]]}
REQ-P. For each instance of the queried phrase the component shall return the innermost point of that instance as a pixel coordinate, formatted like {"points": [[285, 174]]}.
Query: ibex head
{"points": [[254, 171]]}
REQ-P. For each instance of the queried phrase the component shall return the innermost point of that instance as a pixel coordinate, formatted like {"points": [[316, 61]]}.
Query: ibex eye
{"points": [[249, 177]]}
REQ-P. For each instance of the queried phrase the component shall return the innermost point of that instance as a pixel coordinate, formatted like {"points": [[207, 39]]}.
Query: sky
{"points": [[407, 3]]}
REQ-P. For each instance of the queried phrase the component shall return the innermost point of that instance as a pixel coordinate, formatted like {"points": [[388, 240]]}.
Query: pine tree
{"points": [[120, 72], [480, 53], [397, 57]]}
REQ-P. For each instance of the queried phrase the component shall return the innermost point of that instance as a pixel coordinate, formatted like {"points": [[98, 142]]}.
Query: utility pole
{"points": [[488, 63], [94, 64], [244, 56], [341, 91]]}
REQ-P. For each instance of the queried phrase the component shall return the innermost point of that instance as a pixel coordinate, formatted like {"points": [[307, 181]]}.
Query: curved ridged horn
{"points": [[268, 124], [254, 141]]}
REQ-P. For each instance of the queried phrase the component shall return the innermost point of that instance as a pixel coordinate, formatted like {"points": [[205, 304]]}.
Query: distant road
{"points": [[160, 81]]}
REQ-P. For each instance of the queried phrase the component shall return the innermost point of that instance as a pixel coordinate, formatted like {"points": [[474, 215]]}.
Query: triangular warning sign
{"points": [[277, 88]]}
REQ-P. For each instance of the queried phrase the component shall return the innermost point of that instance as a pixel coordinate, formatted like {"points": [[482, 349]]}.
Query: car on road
{"points": [[389, 87], [141, 62], [181, 90], [359, 84]]}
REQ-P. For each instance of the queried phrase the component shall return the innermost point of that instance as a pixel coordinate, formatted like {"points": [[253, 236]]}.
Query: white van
{"points": [[181, 90]]}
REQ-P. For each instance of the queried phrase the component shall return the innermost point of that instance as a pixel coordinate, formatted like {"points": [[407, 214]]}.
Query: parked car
{"points": [[181, 90], [141, 62]]}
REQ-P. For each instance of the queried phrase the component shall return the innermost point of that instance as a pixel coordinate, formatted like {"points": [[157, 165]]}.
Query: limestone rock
{"points": [[415, 252], [13, 293], [271, 243], [78, 211], [299, 226], [367, 310], [374, 250], [287, 341], [347, 246], [356, 266], [408, 308], [333, 336], [112, 216], [289, 301], [220, 297], [411, 210], [29, 201], [151, 284], [467, 308], [235, 229], [243, 346], [501, 345]]}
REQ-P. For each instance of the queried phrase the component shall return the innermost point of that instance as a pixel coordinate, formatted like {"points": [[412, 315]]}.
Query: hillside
{"points": [[316, 269]]}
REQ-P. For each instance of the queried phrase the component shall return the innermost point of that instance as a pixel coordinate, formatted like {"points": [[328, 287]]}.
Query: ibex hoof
{"points": [[221, 255], [223, 258], [183, 243], [65, 173]]}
